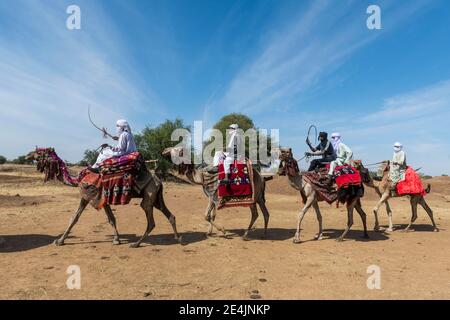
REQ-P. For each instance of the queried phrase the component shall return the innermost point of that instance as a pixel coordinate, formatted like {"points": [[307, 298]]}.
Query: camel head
{"points": [[383, 168], [364, 172], [177, 153], [288, 165]]}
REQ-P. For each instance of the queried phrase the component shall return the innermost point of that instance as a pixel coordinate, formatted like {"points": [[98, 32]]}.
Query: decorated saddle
{"points": [[412, 184], [240, 190], [347, 184], [118, 175]]}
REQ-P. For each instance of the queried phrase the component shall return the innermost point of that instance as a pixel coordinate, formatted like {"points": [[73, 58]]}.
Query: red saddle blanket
{"points": [[117, 176], [411, 185], [347, 179], [239, 192], [347, 176]]}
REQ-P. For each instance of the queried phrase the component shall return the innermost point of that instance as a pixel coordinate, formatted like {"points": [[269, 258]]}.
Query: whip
{"points": [[103, 130]]}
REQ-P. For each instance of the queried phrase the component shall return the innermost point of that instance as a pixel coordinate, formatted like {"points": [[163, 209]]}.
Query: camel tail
{"points": [[428, 189]]}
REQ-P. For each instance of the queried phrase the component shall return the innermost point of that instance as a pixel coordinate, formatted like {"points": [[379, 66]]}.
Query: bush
{"points": [[2, 160]]}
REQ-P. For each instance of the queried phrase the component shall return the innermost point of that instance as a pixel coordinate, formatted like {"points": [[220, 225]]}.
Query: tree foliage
{"points": [[245, 123], [90, 156], [152, 141], [2, 160]]}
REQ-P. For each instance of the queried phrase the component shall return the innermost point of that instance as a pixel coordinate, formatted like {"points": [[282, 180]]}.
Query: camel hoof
{"points": [[339, 239], [436, 229], [407, 230], [58, 242], [318, 237], [377, 229], [116, 242], [389, 230], [134, 245], [180, 240], [296, 241]]}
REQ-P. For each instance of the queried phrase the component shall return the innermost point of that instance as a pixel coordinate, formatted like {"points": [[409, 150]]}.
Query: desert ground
{"points": [[413, 265]]}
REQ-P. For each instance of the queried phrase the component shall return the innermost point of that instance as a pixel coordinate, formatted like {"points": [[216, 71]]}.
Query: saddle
{"points": [[118, 180]]}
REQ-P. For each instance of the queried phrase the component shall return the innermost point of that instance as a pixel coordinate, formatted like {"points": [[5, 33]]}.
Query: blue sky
{"points": [[286, 64]]}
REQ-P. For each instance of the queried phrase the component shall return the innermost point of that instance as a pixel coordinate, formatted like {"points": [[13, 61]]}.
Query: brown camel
{"points": [[369, 182], [151, 195], [209, 181], [415, 199], [311, 198]]}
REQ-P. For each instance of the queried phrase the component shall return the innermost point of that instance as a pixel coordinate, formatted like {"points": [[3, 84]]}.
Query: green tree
{"points": [[244, 122], [22, 160], [90, 156], [152, 141], [2, 160]]}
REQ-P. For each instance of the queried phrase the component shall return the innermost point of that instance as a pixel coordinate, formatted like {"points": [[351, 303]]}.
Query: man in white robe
{"points": [[344, 155], [398, 165], [125, 144], [235, 150]]}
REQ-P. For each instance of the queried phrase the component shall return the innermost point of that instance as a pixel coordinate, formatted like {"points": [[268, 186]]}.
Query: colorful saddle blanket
{"points": [[118, 176], [348, 182], [240, 190], [411, 185]]}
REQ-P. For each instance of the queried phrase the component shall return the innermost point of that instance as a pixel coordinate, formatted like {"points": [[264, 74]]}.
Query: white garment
{"points": [[398, 167], [236, 141], [125, 145], [344, 155]]}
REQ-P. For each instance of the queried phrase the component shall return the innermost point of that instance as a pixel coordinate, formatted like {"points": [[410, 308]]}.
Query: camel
{"points": [[369, 182], [311, 199], [209, 182], [415, 199], [151, 195]]}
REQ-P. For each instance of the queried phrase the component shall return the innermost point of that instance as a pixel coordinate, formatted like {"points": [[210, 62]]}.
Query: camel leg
{"points": [[210, 219], [424, 205], [266, 216], [309, 202], [382, 200], [350, 208], [112, 222], [389, 213], [73, 221], [363, 216], [148, 208], [161, 205], [414, 201], [254, 212], [319, 235]]}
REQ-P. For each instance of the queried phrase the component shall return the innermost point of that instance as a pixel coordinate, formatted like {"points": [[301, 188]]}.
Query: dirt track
{"points": [[413, 265]]}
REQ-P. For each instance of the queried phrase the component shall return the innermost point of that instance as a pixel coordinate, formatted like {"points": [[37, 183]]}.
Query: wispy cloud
{"points": [[49, 75]]}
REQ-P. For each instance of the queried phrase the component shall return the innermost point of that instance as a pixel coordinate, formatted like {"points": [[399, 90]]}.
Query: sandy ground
{"points": [[413, 265]]}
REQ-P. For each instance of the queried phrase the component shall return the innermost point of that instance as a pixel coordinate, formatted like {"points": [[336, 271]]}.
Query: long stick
{"points": [[105, 133]]}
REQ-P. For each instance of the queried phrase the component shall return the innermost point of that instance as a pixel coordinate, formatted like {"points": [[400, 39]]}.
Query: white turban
{"points": [[234, 126], [336, 140], [398, 147], [123, 125]]}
